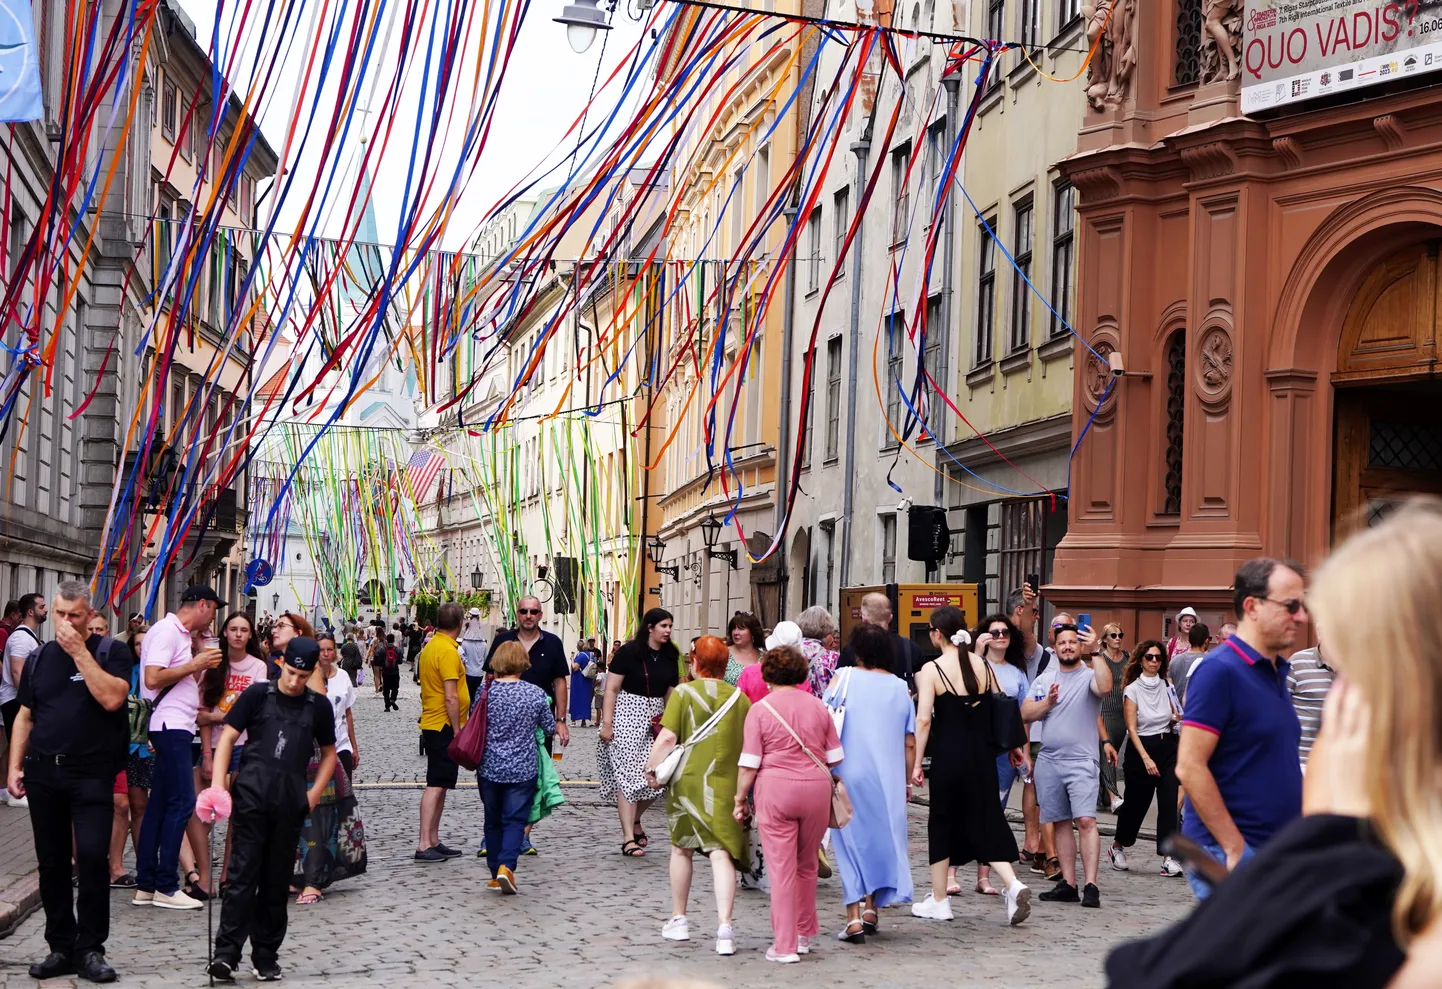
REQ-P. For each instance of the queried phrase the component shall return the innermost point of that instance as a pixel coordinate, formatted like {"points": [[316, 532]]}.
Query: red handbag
{"points": [[468, 748]]}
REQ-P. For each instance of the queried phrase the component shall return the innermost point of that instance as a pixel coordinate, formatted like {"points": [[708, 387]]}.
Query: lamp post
{"points": [[710, 532], [275, 601], [476, 579], [583, 19], [657, 549]]}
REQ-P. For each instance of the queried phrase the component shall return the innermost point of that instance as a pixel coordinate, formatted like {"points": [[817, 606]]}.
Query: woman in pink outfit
{"points": [[789, 739]]}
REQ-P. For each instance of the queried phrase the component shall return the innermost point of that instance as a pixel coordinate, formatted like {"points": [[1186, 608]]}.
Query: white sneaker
{"points": [[178, 900], [772, 956], [1171, 867], [932, 909], [1117, 803], [1119, 859], [142, 898], [725, 940], [677, 929], [13, 801], [1018, 903], [803, 946]]}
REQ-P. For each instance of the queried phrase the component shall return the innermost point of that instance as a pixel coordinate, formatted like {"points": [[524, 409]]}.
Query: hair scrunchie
{"points": [[961, 638]]}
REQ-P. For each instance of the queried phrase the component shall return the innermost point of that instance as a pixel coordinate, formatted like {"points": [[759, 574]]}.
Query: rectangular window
{"points": [[1020, 290], [737, 206], [995, 31], [895, 367], [936, 150], [986, 293], [1063, 236], [763, 176], [1067, 11], [841, 218], [810, 411], [1029, 23], [833, 398], [901, 207], [167, 113], [888, 549], [935, 356], [187, 135], [813, 251]]}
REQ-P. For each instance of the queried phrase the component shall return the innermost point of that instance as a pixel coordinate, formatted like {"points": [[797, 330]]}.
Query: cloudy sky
{"points": [[545, 88]]}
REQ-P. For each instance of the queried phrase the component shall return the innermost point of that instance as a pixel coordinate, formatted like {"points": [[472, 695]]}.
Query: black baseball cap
{"points": [[199, 592], [302, 653]]}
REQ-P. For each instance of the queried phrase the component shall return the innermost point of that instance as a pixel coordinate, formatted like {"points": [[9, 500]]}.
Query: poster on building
{"points": [[1299, 50]]}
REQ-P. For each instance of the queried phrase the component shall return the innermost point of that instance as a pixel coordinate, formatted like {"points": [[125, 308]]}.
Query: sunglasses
{"points": [[1153, 656], [1292, 605], [528, 611], [1116, 635], [999, 633]]}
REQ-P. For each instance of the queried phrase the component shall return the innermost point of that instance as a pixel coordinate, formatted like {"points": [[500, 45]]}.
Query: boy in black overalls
{"points": [[270, 803]]}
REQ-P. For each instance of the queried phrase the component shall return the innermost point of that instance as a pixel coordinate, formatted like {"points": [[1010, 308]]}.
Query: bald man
{"points": [[905, 655]]}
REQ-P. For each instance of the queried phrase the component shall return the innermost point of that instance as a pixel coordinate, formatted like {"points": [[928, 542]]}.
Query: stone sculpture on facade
{"points": [[1221, 41], [1110, 30]]}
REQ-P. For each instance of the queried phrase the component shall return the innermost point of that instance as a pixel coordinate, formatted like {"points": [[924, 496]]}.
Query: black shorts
{"points": [[440, 770]]}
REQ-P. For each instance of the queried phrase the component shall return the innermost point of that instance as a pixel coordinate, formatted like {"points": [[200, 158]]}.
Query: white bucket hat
{"points": [[784, 634]]}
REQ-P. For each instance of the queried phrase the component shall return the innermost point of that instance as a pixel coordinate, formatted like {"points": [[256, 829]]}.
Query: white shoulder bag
{"points": [[667, 768]]}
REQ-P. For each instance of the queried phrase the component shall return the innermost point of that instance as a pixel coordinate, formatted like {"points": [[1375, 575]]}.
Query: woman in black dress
{"points": [[955, 698]]}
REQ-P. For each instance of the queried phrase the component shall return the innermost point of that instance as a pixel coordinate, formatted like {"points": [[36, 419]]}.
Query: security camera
{"points": [[904, 506], [1114, 359]]}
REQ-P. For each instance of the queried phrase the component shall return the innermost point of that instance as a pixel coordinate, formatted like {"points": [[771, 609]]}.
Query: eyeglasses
{"points": [[286, 625], [1156, 656], [1293, 605], [999, 633], [528, 611], [1116, 635]]}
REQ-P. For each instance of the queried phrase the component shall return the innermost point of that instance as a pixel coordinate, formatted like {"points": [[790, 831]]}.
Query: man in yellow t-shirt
{"points": [[445, 703]]}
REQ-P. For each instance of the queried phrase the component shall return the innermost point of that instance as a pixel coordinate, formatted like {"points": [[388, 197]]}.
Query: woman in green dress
{"points": [[702, 792]]}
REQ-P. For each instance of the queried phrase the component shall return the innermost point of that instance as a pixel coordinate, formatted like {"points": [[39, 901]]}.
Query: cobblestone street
{"points": [[588, 917]]}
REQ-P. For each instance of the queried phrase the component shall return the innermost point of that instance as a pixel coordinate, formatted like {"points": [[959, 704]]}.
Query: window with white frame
{"points": [[1029, 23], [167, 113], [895, 364], [985, 292], [1066, 12], [935, 357], [1063, 262], [901, 195], [888, 548], [833, 398], [995, 31], [1023, 234], [840, 219], [813, 251]]}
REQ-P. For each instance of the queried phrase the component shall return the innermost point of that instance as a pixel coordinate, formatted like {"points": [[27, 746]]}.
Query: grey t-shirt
{"points": [[1069, 730], [1179, 669]]}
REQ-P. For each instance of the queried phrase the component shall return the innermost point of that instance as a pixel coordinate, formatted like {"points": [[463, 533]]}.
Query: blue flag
{"points": [[20, 94]]}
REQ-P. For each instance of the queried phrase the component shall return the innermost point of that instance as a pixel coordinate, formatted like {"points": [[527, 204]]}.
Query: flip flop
{"points": [[306, 899], [985, 888], [126, 881]]}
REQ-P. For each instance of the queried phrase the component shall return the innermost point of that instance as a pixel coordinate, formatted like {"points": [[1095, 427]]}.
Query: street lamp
{"points": [[710, 532], [657, 548], [582, 19], [275, 601], [476, 579]]}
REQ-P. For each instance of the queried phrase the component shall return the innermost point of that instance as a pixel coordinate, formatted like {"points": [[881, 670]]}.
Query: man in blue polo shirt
{"points": [[1238, 753]]}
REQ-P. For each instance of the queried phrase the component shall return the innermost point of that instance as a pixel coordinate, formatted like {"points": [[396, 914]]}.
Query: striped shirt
{"points": [[1308, 683]]}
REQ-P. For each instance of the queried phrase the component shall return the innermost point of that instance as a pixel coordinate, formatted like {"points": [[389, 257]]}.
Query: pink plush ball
{"points": [[213, 804]]}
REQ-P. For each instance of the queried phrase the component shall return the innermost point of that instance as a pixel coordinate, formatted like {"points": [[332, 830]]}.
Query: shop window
{"points": [[1176, 410]]}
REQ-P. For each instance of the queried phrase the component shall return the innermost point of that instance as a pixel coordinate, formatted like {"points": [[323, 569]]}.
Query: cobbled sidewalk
{"points": [[588, 917]]}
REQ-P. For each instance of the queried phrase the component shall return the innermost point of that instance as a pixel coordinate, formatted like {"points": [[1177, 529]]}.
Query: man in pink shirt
{"points": [[170, 679]]}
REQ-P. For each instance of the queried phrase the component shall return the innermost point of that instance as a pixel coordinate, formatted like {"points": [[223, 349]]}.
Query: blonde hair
{"points": [[1382, 635], [510, 659], [1108, 627]]}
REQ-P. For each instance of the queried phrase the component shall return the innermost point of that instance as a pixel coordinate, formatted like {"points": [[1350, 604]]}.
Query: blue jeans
{"points": [[508, 808], [1006, 774], [1202, 889], [172, 801]]}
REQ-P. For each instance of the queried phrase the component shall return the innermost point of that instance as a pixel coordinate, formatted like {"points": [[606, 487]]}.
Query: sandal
{"points": [[123, 881], [1052, 869], [306, 899], [985, 888], [869, 926], [852, 936], [641, 839], [633, 849], [193, 889]]}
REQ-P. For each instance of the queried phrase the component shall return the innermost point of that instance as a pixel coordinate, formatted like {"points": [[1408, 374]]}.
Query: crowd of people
{"points": [[782, 755]]}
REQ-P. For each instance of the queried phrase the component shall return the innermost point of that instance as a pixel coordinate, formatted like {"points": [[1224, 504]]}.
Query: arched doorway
{"points": [[1387, 436]]}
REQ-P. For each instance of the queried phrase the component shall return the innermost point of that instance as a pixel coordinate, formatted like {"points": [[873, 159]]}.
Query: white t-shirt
{"points": [[341, 694], [18, 647], [1154, 705]]}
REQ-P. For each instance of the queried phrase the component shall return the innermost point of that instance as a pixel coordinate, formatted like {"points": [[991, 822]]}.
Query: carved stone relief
{"points": [[1215, 362], [1221, 41], [1111, 28]]}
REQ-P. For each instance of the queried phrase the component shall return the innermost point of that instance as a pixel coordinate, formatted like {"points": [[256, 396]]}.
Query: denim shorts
{"points": [[1202, 889]]}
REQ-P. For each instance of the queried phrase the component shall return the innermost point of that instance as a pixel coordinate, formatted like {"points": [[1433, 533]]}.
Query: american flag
{"points": [[421, 471]]}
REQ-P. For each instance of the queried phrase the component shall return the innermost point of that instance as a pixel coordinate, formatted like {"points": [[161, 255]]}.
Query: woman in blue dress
{"points": [[878, 734], [582, 686]]}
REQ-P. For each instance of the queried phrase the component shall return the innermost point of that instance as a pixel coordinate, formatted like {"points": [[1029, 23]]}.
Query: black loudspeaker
{"points": [[928, 535], [565, 602]]}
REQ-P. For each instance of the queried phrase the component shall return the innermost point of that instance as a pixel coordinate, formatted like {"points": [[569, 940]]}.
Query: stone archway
{"points": [[1302, 355]]}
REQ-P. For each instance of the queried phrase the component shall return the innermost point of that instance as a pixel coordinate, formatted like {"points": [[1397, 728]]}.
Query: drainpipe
{"points": [[952, 84], [783, 451], [860, 148]]}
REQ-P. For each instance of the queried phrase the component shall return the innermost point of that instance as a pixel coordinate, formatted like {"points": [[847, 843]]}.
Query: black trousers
{"points": [[265, 832], [1141, 785], [65, 801], [390, 687]]}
